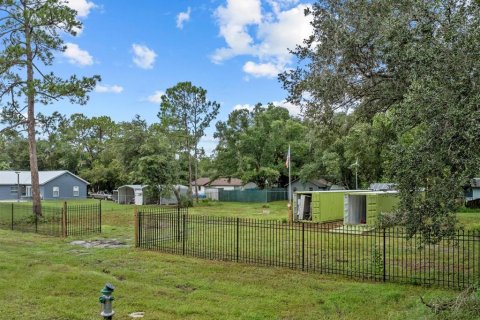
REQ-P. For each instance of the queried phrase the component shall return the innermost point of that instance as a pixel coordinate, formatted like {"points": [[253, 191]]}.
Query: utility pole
{"points": [[356, 174], [288, 163], [18, 185]]}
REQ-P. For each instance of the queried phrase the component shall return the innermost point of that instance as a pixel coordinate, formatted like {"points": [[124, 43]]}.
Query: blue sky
{"points": [[233, 49]]}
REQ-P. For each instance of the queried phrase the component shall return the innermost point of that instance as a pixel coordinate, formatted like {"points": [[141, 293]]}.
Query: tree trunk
{"points": [[177, 196], [32, 142], [190, 175], [189, 193], [196, 172], [32, 148]]}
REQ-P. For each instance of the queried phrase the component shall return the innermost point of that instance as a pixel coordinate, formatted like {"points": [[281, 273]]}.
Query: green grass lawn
{"points": [[469, 218], [47, 278], [276, 210]]}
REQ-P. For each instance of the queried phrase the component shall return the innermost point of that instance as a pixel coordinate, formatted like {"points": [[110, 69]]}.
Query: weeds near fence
{"points": [[465, 306]]}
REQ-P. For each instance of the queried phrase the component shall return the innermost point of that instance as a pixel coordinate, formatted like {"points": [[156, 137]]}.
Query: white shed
{"points": [[171, 199], [131, 194], [135, 194]]}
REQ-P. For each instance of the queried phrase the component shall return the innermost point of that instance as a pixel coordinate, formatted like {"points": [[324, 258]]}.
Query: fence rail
{"points": [[375, 254], [58, 221]]}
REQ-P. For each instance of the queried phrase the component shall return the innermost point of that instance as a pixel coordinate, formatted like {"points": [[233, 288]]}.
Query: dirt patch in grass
{"points": [[185, 288], [103, 244]]}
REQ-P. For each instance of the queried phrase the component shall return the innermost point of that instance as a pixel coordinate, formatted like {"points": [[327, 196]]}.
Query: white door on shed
{"points": [[138, 197]]}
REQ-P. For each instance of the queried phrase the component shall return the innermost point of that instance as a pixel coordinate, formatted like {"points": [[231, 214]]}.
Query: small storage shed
{"points": [[310, 185], [131, 194], [135, 194], [365, 207], [320, 206], [172, 199]]}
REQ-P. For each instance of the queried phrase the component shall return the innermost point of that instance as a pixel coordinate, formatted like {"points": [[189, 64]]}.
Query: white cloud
{"points": [[143, 57], [234, 19], [208, 143], [108, 89], [265, 35], [246, 106], [77, 56], [156, 97], [183, 17], [290, 29], [257, 70], [294, 110], [82, 7]]}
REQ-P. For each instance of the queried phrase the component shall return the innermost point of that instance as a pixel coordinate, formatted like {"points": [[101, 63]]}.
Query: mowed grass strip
{"points": [[47, 278], [276, 210]]}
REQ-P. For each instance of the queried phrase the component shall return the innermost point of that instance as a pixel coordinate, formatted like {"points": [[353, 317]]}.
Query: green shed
{"points": [[320, 206], [365, 207]]}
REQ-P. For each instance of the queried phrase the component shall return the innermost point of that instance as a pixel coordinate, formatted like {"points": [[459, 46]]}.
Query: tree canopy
{"points": [[253, 145], [415, 62], [185, 113]]}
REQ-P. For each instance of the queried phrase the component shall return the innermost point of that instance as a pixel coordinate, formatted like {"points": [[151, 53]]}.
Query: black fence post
{"points": [[136, 215], [303, 246], [178, 223], [477, 233], [64, 220], [12, 216], [384, 258], [238, 238], [184, 227], [100, 216]]}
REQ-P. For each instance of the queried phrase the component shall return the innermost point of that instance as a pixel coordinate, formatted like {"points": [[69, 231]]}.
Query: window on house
{"points": [[76, 191], [14, 189], [56, 192], [310, 189], [28, 191]]}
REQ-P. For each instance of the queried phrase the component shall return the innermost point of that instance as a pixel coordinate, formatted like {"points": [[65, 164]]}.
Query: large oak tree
{"points": [[417, 60]]}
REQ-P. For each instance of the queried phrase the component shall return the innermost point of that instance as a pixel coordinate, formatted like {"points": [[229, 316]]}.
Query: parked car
{"points": [[103, 195]]}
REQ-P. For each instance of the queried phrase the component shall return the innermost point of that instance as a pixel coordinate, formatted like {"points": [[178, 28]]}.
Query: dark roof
{"points": [[382, 186], [201, 182], [322, 183], [234, 182], [475, 182], [228, 182]]}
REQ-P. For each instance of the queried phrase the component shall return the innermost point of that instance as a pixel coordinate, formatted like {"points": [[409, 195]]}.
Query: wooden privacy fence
{"points": [[58, 221], [377, 254]]}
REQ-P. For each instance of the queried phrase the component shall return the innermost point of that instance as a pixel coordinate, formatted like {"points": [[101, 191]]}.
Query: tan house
{"points": [[203, 184]]}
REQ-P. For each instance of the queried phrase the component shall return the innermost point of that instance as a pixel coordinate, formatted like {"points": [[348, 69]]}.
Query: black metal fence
{"points": [[353, 251], [58, 221]]}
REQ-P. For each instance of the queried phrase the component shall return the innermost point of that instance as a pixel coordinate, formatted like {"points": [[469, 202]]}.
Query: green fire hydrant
{"points": [[106, 301]]}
